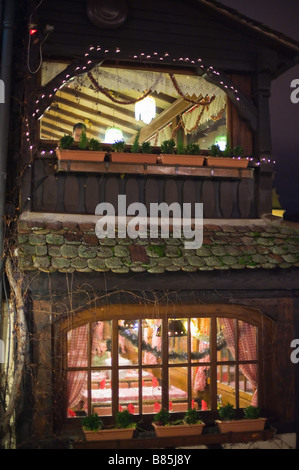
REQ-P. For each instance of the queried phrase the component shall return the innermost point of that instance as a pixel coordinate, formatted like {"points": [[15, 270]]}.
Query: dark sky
{"points": [[283, 16]]}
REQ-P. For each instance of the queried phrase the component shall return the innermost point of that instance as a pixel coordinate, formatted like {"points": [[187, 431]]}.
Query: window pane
{"points": [[201, 398], [128, 390], [226, 392], [152, 340], [200, 339], [226, 339], [178, 389], [128, 341], [248, 385], [101, 393], [151, 391], [101, 343], [77, 394], [247, 341], [177, 340], [77, 339]]}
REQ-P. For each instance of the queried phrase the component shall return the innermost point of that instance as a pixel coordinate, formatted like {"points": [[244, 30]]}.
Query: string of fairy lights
{"points": [[97, 54]]}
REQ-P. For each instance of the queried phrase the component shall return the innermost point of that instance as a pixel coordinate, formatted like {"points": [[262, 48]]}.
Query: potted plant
{"points": [[191, 424], [94, 429], [84, 150], [226, 158], [188, 155], [119, 153], [251, 421]]}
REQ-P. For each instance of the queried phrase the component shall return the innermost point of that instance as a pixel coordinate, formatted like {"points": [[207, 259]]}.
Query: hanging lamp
{"points": [[145, 110], [113, 134], [176, 329]]}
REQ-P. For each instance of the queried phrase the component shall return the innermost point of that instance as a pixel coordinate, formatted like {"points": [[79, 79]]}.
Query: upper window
{"points": [[145, 363], [174, 105]]}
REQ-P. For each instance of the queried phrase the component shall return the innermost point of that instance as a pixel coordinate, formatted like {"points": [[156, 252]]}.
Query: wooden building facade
{"points": [[78, 285]]}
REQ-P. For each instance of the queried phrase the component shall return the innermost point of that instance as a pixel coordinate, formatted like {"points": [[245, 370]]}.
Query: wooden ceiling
{"points": [[74, 104], [80, 102]]}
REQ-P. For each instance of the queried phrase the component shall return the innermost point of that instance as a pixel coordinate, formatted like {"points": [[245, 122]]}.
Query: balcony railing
{"points": [[78, 187]]}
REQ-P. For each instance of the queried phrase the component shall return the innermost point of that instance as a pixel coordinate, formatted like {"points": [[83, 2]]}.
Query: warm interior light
{"points": [[113, 134], [145, 110], [221, 142]]}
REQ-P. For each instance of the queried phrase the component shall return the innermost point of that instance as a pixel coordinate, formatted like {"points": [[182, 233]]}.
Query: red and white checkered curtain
{"points": [[247, 348], [77, 357]]}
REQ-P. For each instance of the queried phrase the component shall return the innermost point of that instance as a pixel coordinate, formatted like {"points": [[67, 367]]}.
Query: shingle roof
{"points": [[48, 244]]}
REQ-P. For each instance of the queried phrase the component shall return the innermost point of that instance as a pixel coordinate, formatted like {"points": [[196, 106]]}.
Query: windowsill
{"points": [[148, 440], [152, 169]]}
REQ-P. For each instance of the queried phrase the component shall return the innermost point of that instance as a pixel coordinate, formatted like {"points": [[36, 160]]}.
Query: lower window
{"points": [[143, 364]]}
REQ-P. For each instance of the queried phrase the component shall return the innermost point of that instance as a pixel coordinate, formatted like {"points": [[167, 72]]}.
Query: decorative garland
{"points": [[203, 101], [106, 93], [133, 338], [216, 117], [188, 131]]}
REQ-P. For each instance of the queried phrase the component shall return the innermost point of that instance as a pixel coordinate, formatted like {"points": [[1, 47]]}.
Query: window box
{"points": [[81, 155], [227, 162], [241, 425], [109, 434], [190, 160], [126, 157], [178, 430]]}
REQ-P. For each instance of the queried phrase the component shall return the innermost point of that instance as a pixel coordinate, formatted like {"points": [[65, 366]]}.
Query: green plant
{"points": [[192, 149], [124, 419], [238, 151], [83, 142], [192, 416], [180, 149], [94, 144], [135, 146], [92, 422], [167, 146], [146, 147], [227, 412], [251, 412], [66, 142], [215, 150], [119, 146], [162, 418]]}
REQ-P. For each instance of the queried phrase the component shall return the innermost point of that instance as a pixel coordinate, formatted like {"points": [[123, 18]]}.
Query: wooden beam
{"points": [[179, 106]]}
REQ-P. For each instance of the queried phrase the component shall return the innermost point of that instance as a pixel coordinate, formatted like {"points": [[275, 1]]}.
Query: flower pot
{"points": [[189, 160], [241, 425], [81, 155], [178, 430], [109, 434], [227, 162], [123, 157]]}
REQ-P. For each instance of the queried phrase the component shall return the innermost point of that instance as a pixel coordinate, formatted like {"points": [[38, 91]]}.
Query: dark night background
{"points": [[282, 16]]}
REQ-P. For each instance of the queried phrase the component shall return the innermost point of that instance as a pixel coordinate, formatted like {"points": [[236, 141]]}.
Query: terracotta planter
{"points": [[109, 434], [241, 425], [81, 155], [189, 160], [123, 157], [179, 430], [227, 162]]}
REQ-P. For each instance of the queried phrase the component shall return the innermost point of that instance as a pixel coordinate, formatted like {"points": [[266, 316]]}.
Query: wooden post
{"points": [[261, 95]]}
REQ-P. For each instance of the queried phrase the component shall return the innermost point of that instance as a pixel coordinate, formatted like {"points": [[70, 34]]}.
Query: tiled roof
{"points": [[51, 244]]}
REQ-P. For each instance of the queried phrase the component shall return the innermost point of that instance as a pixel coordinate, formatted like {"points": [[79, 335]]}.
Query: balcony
{"points": [[78, 187]]}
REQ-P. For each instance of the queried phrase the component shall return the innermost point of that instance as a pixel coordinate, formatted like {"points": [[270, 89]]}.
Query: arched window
{"points": [[143, 358]]}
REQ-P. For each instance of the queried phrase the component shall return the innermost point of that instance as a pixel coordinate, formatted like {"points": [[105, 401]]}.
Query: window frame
{"points": [[114, 313]]}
